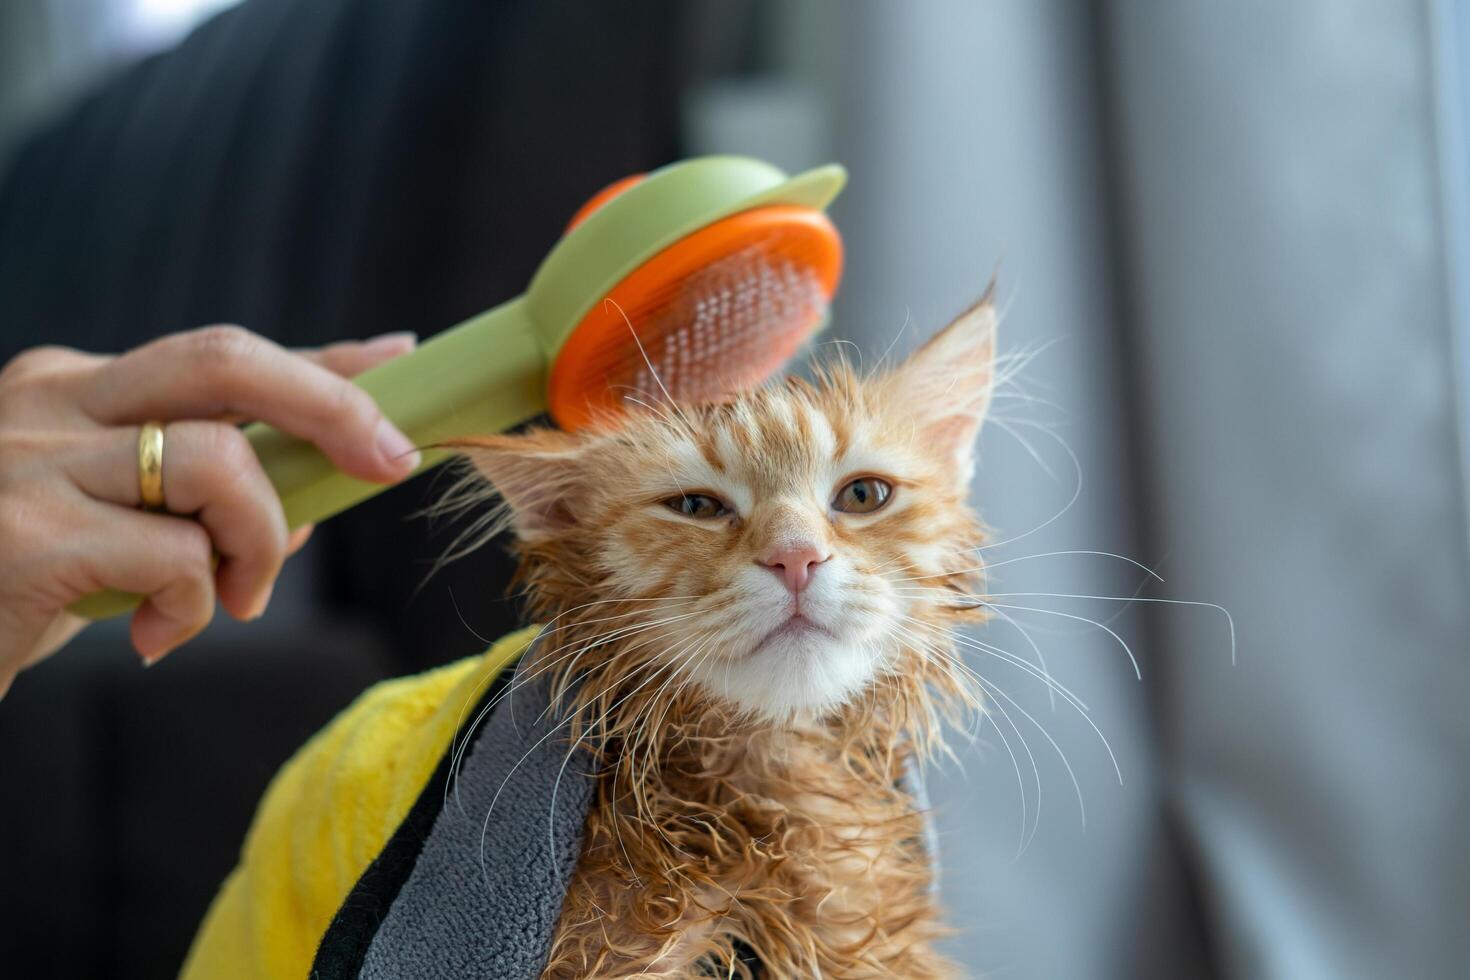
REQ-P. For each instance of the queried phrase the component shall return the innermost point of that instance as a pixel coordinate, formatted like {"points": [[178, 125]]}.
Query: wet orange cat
{"points": [[751, 604]]}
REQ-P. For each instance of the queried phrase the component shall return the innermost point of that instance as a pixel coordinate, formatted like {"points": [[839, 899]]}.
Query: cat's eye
{"points": [[700, 506], [863, 495]]}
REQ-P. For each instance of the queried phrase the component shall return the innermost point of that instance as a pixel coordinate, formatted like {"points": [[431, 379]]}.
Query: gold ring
{"points": [[150, 465]]}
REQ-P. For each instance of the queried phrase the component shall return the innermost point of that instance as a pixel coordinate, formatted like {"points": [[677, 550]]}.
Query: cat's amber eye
{"points": [[863, 495], [700, 506]]}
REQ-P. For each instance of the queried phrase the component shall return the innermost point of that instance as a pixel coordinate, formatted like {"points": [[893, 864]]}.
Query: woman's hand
{"points": [[69, 483]]}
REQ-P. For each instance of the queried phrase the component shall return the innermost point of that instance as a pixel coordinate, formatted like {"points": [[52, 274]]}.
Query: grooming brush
{"points": [[698, 279]]}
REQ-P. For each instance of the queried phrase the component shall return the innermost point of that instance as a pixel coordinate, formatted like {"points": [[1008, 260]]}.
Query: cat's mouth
{"points": [[795, 627]]}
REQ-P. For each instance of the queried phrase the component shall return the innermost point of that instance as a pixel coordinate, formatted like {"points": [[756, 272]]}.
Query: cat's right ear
{"points": [[535, 473], [947, 384]]}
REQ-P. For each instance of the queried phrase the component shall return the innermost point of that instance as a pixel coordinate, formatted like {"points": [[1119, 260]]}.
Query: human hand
{"points": [[69, 478]]}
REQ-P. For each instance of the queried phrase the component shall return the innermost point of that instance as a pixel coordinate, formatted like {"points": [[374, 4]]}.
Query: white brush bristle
{"points": [[724, 326]]}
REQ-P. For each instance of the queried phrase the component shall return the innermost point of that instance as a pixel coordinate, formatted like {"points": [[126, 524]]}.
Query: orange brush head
{"points": [[718, 311]]}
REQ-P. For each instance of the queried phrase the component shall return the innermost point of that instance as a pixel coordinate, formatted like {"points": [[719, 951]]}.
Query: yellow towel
{"points": [[327, 815]]}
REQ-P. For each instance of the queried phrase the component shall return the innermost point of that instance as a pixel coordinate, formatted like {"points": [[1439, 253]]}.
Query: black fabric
{"points": [[747, 956], [345, 943], [127, 793]]}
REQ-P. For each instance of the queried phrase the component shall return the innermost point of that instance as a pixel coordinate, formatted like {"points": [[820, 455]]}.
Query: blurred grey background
{"points": [[1233, 235]]}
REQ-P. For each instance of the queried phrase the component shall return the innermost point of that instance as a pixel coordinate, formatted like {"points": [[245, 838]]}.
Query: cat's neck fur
{"points": [[710, 829]]}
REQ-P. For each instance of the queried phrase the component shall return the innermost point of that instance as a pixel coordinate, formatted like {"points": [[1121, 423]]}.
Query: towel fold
{"points": [[485, 893]]}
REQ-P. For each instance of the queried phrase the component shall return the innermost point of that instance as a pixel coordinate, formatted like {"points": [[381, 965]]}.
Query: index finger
{"points": [[349, 358], [227, 370]]}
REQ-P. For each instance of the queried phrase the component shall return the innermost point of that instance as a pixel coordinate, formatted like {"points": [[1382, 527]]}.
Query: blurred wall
{"points": [[1285, 189]]}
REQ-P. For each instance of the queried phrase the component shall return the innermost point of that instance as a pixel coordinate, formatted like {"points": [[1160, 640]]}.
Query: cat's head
{"points": [[778, 552]]}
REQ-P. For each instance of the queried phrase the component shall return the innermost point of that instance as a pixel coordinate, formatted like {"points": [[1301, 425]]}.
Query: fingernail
{"points": [[395, 447], [398, 338], [156, 638], [151, 643], [261, 603]]}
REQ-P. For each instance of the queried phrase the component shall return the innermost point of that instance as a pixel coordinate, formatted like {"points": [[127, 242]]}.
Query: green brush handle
{"points": [[484, 375]]}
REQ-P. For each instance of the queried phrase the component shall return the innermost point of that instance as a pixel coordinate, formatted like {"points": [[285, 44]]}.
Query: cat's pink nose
{"points": [[794, 563]]}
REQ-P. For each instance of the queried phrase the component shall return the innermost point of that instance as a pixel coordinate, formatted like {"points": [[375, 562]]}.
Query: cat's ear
{"points": [[536, 473], [948, 382]]}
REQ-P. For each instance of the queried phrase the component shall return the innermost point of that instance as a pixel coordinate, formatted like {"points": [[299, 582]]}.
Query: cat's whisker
{"points": [[569, 719], [464, 622], [653, 372], [1024, 396], [538, 668], [929, 645], [1059, 688], [1025, 635], [1071, 774], [986, 601], [675, 426], [990, 565], [545, 661], [1020, 782], [1053, 686], [1006, 426], [1009, 366], [937, 653], [842, 345], [1035, 647], [608, 636], [1071, 501], [485, 829], [985, 686], [1133, 660], [1026, 830], [462, 741], [1229, 619], [551, 822], [624, 652], [1041, 660], [707, 645], [673, 660], [1125, 599], [1031, 642], [642, 732], [1028, 817], [897, 334], [648, 753]]}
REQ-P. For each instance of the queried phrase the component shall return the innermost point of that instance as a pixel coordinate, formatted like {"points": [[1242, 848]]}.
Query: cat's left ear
{"points": [[948, 382], [536, 473]]}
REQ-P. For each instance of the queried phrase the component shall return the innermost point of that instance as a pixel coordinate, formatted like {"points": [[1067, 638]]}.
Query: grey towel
{"points": [[484, 895]]}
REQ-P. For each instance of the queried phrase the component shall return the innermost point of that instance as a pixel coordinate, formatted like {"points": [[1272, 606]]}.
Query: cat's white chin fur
{"points": [[794, 676], [780, 661]]}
